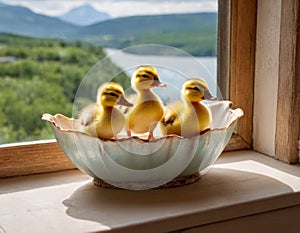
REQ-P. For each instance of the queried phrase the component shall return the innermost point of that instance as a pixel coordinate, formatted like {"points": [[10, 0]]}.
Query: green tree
{"points": [[44, 79], [24, 101]]}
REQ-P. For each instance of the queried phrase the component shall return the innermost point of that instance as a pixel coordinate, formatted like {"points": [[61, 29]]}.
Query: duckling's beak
{"points": [[208, 96], [157, 83], [123, 101]]}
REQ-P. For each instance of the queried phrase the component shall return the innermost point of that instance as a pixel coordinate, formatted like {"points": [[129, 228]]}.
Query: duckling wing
{"points": [[172, 112], [87, 115], [169, 117]]}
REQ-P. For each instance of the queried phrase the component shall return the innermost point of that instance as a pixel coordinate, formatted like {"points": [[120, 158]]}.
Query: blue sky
{"points": [[118, 8]]}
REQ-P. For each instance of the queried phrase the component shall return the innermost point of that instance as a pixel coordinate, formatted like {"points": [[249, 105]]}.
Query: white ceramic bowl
{"points": [[133, 163]]}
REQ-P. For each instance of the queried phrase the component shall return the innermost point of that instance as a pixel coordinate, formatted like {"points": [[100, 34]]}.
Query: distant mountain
{"points": [[84, 15], [22, 21], [159, 23], [195, 33]]}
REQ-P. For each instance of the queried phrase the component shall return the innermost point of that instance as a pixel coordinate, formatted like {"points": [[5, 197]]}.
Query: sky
{"points": [[119, 8]]}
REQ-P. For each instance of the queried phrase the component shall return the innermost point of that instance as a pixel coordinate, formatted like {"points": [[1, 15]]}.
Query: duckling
{"points": [[148, 109], [189, 116], [102, 119]]}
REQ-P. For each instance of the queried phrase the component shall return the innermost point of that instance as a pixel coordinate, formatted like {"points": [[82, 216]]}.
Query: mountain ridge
{"points": [[22, 21], [194, 33]]}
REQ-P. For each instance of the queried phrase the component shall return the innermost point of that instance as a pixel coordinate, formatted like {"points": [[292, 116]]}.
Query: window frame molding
{"points": [[287, 137], [236, 63], [32, 158], [236, 74]]}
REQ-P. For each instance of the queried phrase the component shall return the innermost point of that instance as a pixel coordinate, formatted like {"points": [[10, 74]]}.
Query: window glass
{"points": [[48, 47]]}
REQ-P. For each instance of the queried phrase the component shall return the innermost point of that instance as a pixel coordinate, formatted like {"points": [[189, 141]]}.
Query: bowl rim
{"points": [[53, 119]]}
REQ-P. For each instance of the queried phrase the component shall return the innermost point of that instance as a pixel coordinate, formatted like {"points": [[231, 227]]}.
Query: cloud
{"points": [[119, 8]]}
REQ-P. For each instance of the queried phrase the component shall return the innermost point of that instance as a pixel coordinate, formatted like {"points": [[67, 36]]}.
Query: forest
{"points": [[42, 76]]}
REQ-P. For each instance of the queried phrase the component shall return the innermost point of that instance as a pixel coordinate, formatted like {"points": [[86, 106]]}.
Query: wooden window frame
{"points": [[236, 77], [236, 74], [32, 158], [287, 140], [236, 63]]}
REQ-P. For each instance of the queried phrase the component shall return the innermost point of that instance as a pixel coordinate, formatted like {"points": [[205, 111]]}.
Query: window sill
{"points": [[241, 185]]}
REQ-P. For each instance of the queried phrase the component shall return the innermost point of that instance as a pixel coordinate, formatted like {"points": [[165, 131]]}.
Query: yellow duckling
{"points": [[189, 116], [102, 119], [148, 109]]}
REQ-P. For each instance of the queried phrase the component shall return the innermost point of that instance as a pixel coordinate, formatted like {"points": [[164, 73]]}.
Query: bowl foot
{"points": [[178, 181]]}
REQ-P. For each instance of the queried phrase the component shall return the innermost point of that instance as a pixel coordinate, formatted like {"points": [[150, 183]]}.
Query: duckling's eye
{"points": [[144, 75], [113, 94], [194, 88]]}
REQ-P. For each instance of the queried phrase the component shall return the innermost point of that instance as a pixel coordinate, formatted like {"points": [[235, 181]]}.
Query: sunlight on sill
{"points": [[12, 144], [262, 169]]}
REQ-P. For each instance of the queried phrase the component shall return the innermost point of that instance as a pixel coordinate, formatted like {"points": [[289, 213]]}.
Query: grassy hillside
{"points": [[43, 78]]}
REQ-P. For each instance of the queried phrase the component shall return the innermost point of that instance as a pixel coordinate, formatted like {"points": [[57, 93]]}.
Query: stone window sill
{"points": [[240, 186]]}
